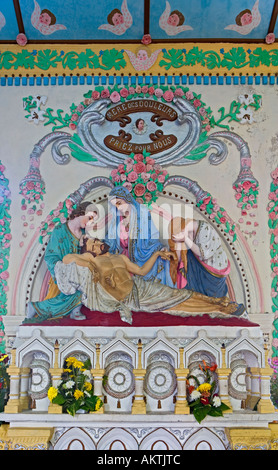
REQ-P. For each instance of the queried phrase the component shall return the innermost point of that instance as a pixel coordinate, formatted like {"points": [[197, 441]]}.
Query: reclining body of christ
{"points": [[121, 280]]}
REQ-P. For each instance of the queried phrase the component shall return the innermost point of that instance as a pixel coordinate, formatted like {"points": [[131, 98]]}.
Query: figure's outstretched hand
{"points": [[167, 254]]}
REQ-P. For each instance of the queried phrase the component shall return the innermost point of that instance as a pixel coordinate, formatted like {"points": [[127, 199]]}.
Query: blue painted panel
{"points": [[209, 18], [81, 19], [8, 23]]}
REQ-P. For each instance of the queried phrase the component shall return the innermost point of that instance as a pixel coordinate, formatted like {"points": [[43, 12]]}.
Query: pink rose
{"points": [[123, 177], [95, 95], [150, 161], [105, 93], [151, 90], [128, 186], [8, 236], [131, 90], [161, 178], [124, 92], [139, 189], [189, 95], [138, 89], [30, 185], [237, 196], [21, 39], [197, 103], [114, 172], [115, 97], [72, 126], [4, 275], [168, 95], [145, 176], [68, 203], [145, 89], [148, 197], [158, 92], [270, 38], [132, 177], [179, 92], [80, 108], [121, 168], [146, 39], [202, 111], [151, 186], [138, 157], [74, 117], [139, 167], [129, 167], [207, 128], [246, 185], [117, 178]]}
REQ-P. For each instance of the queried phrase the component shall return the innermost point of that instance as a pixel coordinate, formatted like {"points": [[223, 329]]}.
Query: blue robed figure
{"points": [[132, 232]]}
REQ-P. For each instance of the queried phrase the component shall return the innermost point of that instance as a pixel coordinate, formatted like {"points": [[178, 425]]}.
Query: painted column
{"points": [[181, 406], [13, 405], [56, 374], [139, 405], [24, 383], [223, 376], [265, 404], [98, 375]]}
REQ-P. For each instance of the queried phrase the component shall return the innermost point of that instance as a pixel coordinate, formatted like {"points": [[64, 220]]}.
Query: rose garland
{"points": [[142, 177], [118, 94], [217, 213], [272, 209], [5, 240], [56, 217]]}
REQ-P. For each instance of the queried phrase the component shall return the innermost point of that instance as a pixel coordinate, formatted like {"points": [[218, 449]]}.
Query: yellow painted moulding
{"points": [[24, 438], [131, 59]]}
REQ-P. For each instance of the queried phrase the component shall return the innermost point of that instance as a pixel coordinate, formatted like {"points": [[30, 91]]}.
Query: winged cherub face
{"points": [[117, 19], [246, 19], [142, 55], [173, 20]]}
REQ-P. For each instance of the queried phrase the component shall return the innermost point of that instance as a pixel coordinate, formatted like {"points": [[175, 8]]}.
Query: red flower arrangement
{"points": [[142, 177]]}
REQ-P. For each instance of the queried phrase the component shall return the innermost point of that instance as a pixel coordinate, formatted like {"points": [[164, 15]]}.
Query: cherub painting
{"points": [[45, 21], [141, 59], [246, 20], [2, 20], [118, 20], [172, 22]]}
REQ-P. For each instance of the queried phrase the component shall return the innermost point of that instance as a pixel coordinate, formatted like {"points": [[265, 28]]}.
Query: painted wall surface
{"points": [[258, 129]]}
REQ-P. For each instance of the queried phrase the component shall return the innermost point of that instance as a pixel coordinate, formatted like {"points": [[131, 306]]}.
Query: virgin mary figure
{"points": [[132, 232]]}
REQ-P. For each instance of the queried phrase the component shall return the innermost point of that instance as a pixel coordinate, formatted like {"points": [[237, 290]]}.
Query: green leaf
{"points": [[80, 154], [201, 411]]}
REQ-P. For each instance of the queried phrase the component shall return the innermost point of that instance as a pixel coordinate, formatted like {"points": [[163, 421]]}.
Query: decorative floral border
{"points": [[272, 209], [56, 217], [226, 58], [218, 214], [5, 240]]}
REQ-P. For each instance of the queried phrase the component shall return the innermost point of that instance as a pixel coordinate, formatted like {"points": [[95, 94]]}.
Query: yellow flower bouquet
{"points": [[202, 397], [75, 391]]}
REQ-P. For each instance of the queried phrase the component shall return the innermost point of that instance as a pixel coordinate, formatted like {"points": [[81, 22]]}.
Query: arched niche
{"points": [[117, 439], [204, 439], [244, 281], [74, 439], [160, 439]]}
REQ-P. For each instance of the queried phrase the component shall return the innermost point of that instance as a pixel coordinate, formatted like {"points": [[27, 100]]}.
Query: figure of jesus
{"points": [[121, 281]]}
